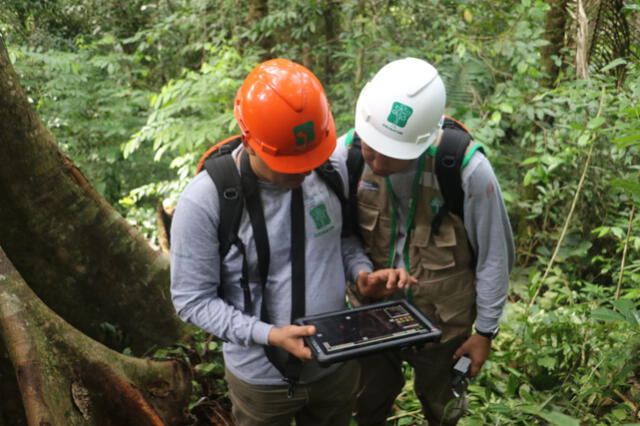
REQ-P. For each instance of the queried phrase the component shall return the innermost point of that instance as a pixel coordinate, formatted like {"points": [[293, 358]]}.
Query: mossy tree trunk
{"points": [[71, 247], [72, 266], [555, 24], [66, 378]]}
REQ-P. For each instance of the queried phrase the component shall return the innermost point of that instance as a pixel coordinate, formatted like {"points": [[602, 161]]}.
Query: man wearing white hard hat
{"points": [[460, 249]]}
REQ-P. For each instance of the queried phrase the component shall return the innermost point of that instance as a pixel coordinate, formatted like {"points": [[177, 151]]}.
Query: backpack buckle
{"points": [[292, 386], [448, 161], [231, 193]]}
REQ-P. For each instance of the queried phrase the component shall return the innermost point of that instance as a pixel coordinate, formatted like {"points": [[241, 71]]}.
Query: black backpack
{"points": [[449, 157], [219, 165]]}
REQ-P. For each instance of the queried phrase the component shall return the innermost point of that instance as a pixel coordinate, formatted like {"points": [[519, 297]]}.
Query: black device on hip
{"points": [[368, 329]]}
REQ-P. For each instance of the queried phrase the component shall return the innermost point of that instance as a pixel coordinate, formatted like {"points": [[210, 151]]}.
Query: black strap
{"points": [[450, 123], [355, 164], [244, 278], [449, 157], [298, 240], [226, 178], [253, 201], [332, 178], [292, 367]]}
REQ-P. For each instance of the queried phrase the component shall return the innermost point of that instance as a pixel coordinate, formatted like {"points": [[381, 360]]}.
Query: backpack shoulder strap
{"points": [[355, 164], [452, 123], [330, 175], [355, 161], [449, 158], [221, 148], [332, 178], [223, 171]]}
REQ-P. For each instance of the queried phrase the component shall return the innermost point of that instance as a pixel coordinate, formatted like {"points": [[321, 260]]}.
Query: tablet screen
{"points": [[353, 329]]}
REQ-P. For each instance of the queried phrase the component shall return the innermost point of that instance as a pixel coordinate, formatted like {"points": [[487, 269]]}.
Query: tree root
{"points": [[67, 378]]}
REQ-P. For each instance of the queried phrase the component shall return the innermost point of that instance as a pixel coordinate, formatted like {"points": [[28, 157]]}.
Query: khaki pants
{"points": [[328, 401], [382, 379]]}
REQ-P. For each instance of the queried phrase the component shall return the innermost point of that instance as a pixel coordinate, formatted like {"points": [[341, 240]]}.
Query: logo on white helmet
{"points": [[398, 117]]}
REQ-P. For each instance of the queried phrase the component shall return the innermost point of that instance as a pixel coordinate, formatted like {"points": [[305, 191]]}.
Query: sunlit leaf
{"points": [[628, 140], [606, 315], [468, 16], [596, 122], [630, 186], [613, 64]]}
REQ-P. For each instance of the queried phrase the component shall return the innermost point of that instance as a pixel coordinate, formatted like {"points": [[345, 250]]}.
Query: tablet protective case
{"points": [[368, 329]]}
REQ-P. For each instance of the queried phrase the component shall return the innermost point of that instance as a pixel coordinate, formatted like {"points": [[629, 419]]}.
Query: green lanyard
{"points": [[412, 212]]}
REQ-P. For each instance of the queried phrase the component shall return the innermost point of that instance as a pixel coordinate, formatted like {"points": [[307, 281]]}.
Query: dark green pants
{"points": [[329, 401], [382, 379]]}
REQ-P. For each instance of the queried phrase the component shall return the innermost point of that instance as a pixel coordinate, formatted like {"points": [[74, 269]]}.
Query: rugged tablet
{"points": [[368, 329]]}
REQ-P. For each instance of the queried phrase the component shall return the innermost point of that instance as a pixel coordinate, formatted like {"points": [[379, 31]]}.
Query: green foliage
{"points": [[202, 354], [193, 112], [50, 23], [560, 363], [88, 100], [181, 35], [136, 92]]}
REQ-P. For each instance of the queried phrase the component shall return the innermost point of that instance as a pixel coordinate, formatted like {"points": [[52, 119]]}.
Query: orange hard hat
{"points": [[284, 116]]}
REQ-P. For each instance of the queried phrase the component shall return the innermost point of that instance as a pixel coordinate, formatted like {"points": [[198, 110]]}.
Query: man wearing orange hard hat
{"points": [[257, 241]]}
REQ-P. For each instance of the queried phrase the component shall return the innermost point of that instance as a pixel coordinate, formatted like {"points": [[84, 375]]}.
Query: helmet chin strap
{"points": [[438, 138]]}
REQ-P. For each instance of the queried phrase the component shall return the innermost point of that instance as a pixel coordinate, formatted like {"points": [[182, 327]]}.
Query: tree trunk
{"points": [[582, 42], [66, 378], [555, 23], [164, 215], [331, 18], [72, 248]]}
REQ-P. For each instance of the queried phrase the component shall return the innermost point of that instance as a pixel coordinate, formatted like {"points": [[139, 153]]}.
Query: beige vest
{"points": [[442, 263]]}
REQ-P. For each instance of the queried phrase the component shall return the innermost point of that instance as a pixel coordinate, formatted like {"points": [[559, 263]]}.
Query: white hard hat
{"points": [[399, 112]]}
